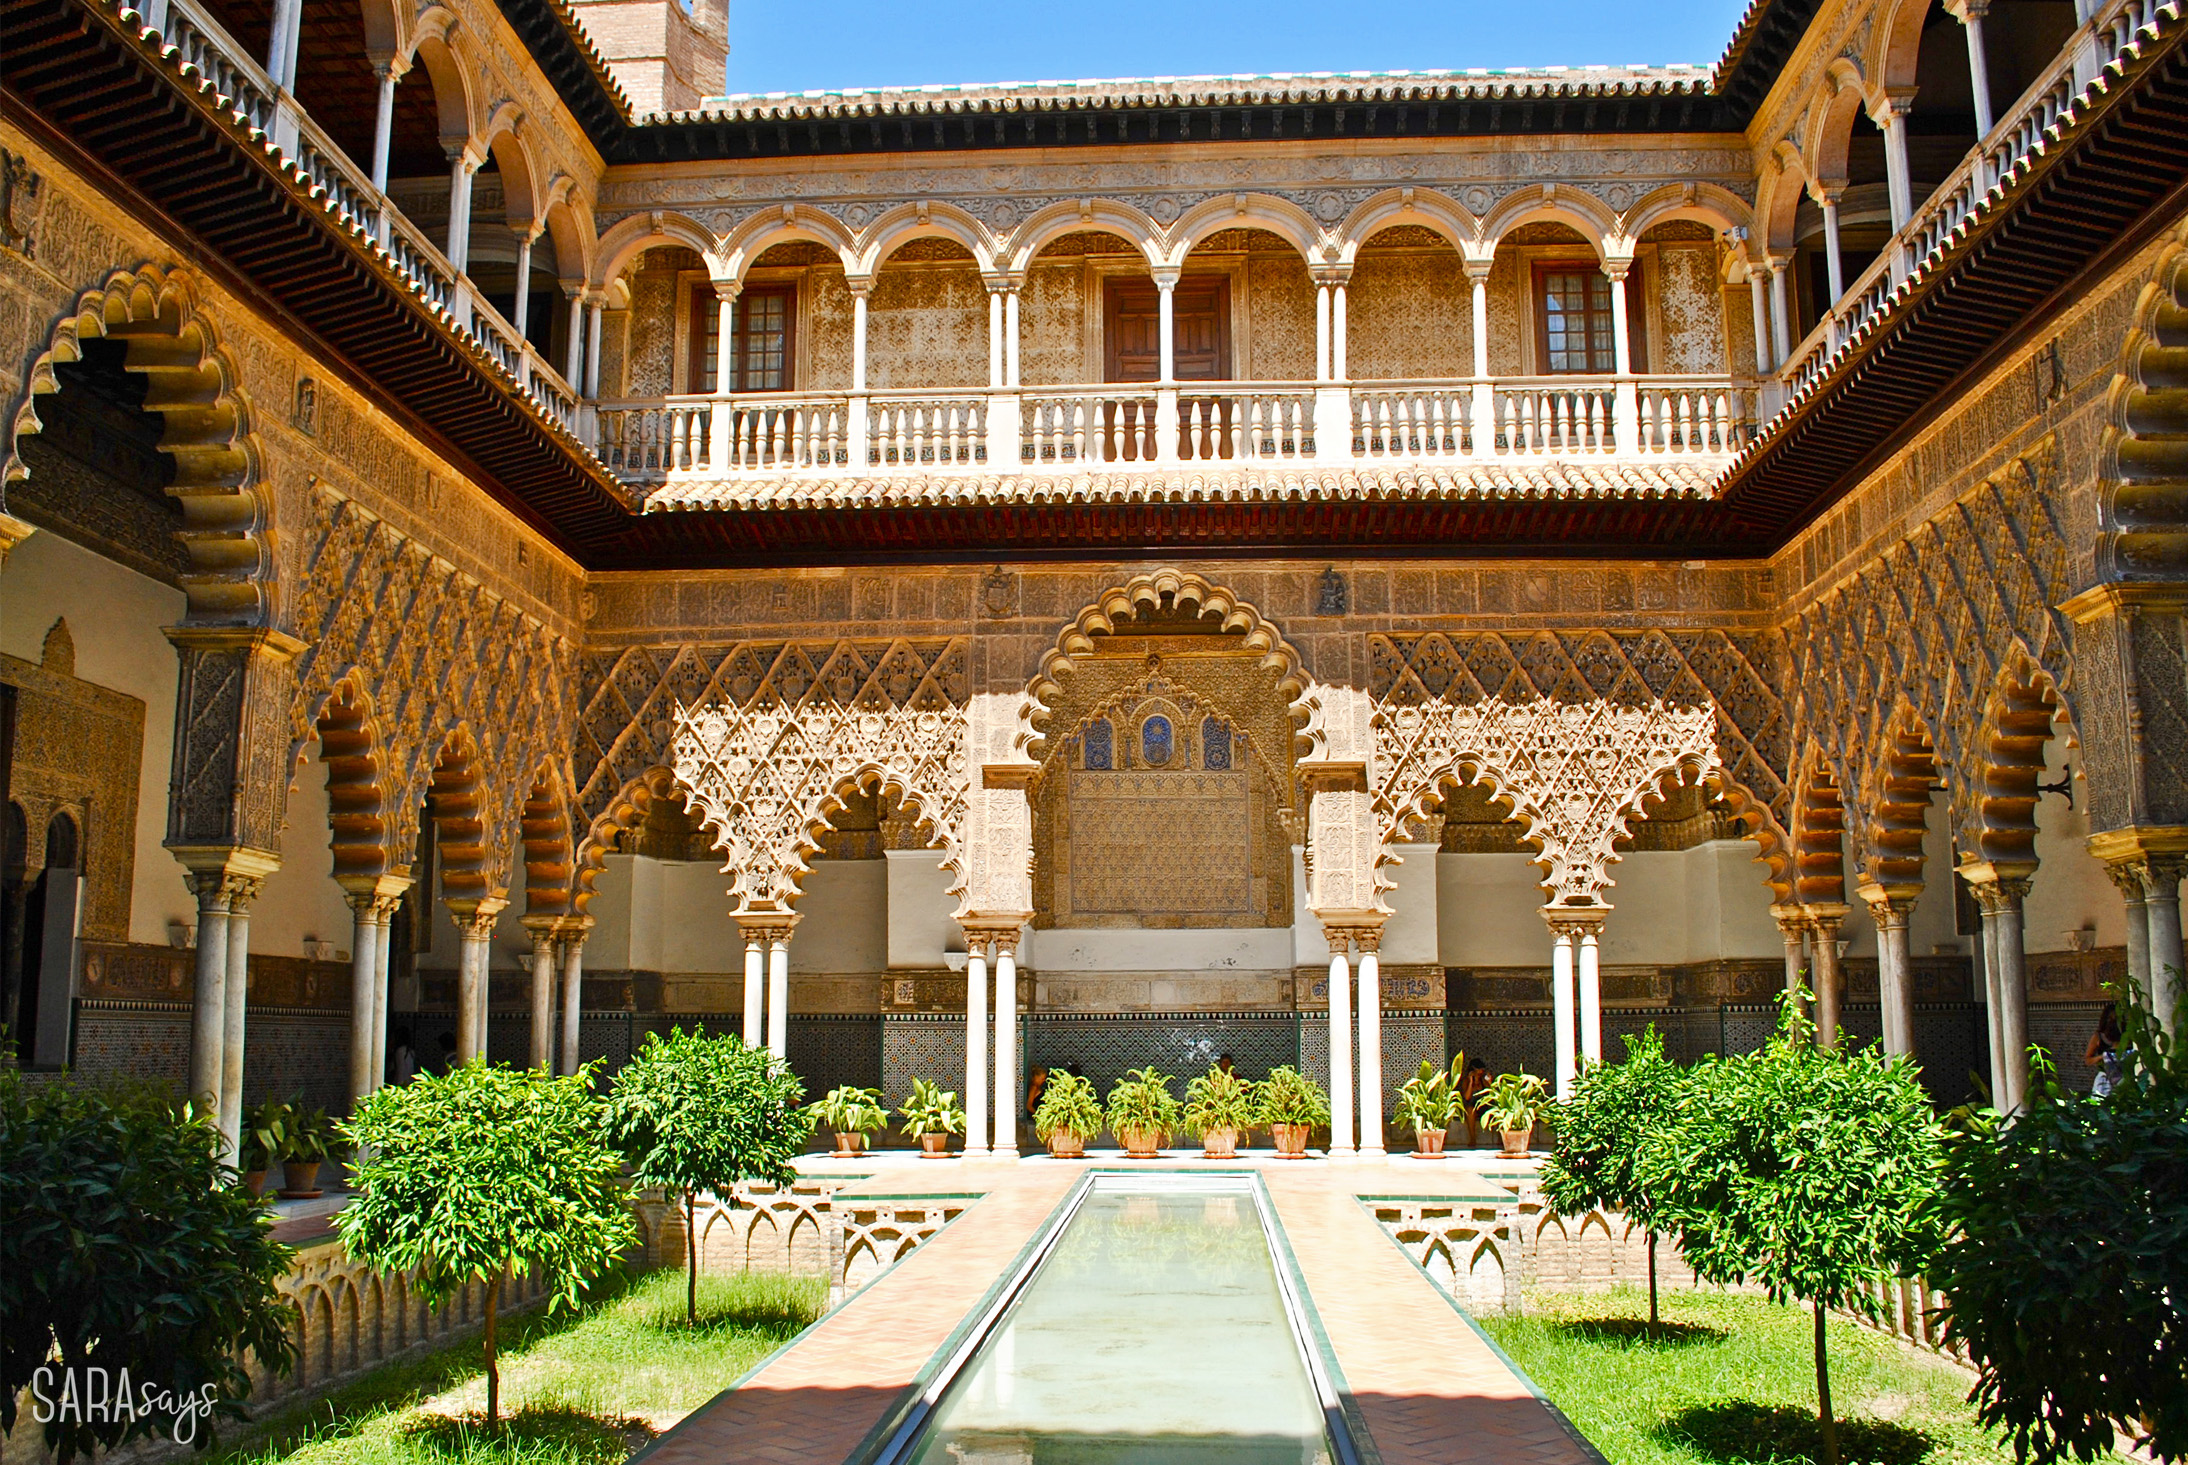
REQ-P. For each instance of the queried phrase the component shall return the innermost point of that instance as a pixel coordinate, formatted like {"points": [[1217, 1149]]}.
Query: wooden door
{"points": [[1200, 316]]}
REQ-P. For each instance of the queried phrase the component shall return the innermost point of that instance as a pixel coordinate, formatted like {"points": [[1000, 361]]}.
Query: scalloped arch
{"points": [[219, 474], [1149, 592], [627, 810]]}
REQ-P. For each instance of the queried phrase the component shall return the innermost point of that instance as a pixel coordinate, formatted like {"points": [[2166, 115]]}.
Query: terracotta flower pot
{"points": [[300, 1179], [1219, 1144], [254, 1181], [849, 1146], [1291, 1141], [1515, 1142], [1065, 1145], [1428, 1144], [934, 1147], [1142, 1144]]}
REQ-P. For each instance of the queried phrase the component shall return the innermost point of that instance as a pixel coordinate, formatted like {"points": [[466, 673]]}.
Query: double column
{"points": [[767, 978], [1003, 440], [372, 903], [571, 953], [1576, 988], [2146, 866], [1333, 394], [1366, 933], [1889, 908], [1999, 891], [991, 944], [225, 882], [475, 918]]}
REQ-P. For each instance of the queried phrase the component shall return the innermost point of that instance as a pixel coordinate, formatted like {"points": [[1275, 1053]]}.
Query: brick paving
{"points": [[1428, 1387]]}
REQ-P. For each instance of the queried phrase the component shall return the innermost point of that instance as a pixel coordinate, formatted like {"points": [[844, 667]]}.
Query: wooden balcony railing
{"points": [[1049, 429]]}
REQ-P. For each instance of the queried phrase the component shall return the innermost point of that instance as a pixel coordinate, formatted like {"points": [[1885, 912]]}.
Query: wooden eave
{"points": [[88, 83]]}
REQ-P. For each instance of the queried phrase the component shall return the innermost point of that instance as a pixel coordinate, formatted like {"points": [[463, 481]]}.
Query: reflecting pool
{"points": [[1154, 1330]]}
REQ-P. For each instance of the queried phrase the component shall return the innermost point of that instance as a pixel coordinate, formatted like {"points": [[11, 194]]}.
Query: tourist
{"points": [[1224, 1063], [402, 1062], [1034, 1090], [1471, 1083], [447, 1061], [2104, 1051]]}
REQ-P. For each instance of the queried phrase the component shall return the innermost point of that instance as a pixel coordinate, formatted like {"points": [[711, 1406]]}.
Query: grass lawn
{"points": [[1734, 1380], [586, 1389]]}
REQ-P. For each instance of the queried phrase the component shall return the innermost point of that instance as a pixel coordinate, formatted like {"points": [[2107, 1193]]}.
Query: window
{"points": [[762, 338], [1215, 745], [1100, 745], [1573, 319], [1157, 741]]}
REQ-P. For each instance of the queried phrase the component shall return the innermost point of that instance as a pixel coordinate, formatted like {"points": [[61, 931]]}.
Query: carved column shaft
{"points": [[1008, 1102]]}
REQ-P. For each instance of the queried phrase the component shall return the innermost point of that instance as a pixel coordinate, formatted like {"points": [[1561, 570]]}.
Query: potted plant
{"points": [[1291, 1104], [1143, 1112], [1068, 1116], [311, 1134], [852, 1113], [1510, 1105], [264, 1142], [931, 1115], [1219, 1110], [1426, 1105]]}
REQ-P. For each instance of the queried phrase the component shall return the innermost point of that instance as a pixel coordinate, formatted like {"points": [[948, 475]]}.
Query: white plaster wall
{"points": [[692, 929], [1668, 907], [1654, 915], [1489, 911], [845, 918], [508, 949], [1743, 923], [608, 948], [2070, 891], [1409, 936], [921, 924], [301, 899], [114, 615]]}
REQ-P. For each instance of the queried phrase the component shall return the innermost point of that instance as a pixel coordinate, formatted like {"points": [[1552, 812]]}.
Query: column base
{"points": [[1374, 1152], [1346, 1153], [1003, 1152], [976, 1152]]}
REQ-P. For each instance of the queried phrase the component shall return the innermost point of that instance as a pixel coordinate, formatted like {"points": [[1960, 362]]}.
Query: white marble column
{"points": [[233, 1007], [755, 1028], [976, 1047], [1341, 1117], [1008, 1097], [543, 991], [383, 953], [387, 73], [522, 314], [1781, 318], [1758, 292], [1895, 978], [1833, 264], [1591, 994], [1010, 336], [574, 351], [1898, 179], [460, 170], [1830, 982], [475, 920], [1483, 408], [1971, 13], [573, 992], [1625, 396], [595, 321], [1321, 332], [208, 1024], [1166, 334], [996, 291], [367, 932], [1371, 1042], [1340, 331], [1561, 1006], [778, 990]]}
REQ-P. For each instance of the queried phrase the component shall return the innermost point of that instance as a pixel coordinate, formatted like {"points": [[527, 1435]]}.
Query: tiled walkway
{"points": [[1428, 1387]]}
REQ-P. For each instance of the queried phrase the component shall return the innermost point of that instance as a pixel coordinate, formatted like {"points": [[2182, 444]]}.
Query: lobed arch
{"points": [[1903, 776], [352, 744], [2020, 718], [2142, 499], [550, 860], [1554, 204], [906, 222], [458, 805], [627, 810], [1281, 217], [627, 238], [929, 818], [1422, 208], [196, 390], [763, 231], [1819, 835], [1153, 591], [1101, 216]]}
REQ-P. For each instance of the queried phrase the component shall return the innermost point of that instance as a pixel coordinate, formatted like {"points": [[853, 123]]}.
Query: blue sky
{"points": [[793, 45]]}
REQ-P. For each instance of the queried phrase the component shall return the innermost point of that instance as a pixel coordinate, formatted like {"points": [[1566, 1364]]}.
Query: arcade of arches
{"points": [[803, 601]]}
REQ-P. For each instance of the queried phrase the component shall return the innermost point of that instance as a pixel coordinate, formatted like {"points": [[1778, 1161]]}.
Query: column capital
{"points": [[1477, 270], [222, 878], [1825, 917], [544, 930], [1998, 884], [476, 916], [1617, 267], [1891, 103], [995, 933], [1889, 905], [767, 926], [1575, 921], [374, 896], [1793, 920], [1334, 274], [1967, 12], [727, 291]]}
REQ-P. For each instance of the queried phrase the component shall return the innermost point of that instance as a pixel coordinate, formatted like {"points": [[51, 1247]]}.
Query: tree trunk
{"points": [[493, 1364], [1823, 1397], [691, 1275], [1654, 1322]]}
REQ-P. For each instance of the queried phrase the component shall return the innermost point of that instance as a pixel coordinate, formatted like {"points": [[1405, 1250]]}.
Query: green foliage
{"points": [[1069, 1106], [1142, 1102], [1812, 1172], [1426, 1100], [2066, 1271], [466, 1175], [1611, 1137], [931, 1109], [311, 1135], [126, 1245], [265, 1140], [1219, 1100], [1290, 1097], [849, 1109], [1513, 1101], [694, 1112]]}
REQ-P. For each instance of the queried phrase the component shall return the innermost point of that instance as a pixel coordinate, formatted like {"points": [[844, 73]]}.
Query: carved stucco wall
{"points": [[1411, 308], [927, 323], [1689, 308], [79, 749]]}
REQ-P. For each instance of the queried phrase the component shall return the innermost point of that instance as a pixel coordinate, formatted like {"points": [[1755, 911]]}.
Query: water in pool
{"points": [[1154, 1332]]}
